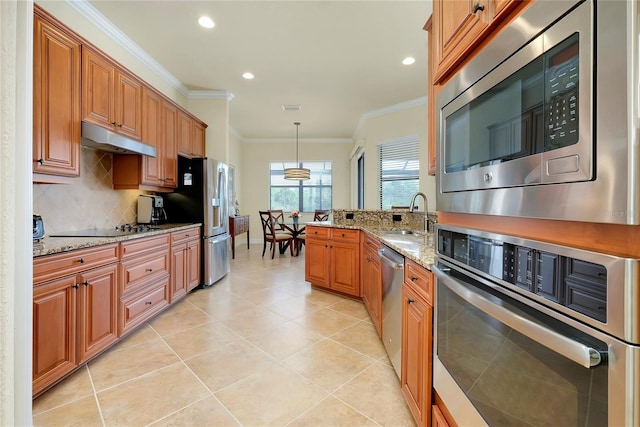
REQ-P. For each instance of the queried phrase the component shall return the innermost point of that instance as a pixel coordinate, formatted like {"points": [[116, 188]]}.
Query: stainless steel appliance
{"points": [[542, 122], [38, 227], [202, 196], [530, 333], [151, 209], [392, 270]]}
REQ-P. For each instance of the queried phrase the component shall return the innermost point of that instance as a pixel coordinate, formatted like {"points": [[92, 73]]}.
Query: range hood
{"points": [[102, 139]]}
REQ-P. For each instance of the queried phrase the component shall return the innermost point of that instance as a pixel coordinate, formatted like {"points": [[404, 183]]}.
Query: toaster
{"points": [[38, 227]]}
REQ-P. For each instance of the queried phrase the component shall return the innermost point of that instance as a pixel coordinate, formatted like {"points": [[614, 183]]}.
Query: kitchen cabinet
{"points": [[74, 310], [191, 136], [417, 325], [185, 262], [111, 97], [372, 280], [56, 100], [143, 280], [332, 259], [431, 100], [460, 26], [437, 417]]}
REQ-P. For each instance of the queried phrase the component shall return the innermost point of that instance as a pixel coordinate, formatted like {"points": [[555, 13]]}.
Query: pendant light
{"points": [[297, 173]]}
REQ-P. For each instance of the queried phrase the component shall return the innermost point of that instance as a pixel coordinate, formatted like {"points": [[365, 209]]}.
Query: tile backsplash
{"points": [[90, 202]]}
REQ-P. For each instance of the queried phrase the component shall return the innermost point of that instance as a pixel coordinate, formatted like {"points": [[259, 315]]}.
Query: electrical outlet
{"points": [[349, 215], [397, 217]]}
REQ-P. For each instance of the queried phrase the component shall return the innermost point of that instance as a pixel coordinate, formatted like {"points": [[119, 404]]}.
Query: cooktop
{"points": [[120, 230]]}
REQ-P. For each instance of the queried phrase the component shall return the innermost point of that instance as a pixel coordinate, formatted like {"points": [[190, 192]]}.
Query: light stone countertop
{"points": [[412, 246], [55, 245]]}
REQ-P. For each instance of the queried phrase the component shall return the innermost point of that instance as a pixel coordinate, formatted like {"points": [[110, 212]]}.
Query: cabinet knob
{"points": [[76, 286], [113, 123], [86, 283], [149, 270], [41, 161], [410, 301], [120, 125], [81, 260], [148, 303], [477, 7], [413, 278]]}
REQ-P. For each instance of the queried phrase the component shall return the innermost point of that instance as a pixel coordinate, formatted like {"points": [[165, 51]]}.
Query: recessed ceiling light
{"points": [[291, 107], [206, 22], [248, 75], [408, 60]]}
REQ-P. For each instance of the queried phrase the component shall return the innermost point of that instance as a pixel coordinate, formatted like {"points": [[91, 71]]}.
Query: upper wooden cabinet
{"points": [[191, 136], [431, 101], [111, 97], [460, 25], [56, 100]]}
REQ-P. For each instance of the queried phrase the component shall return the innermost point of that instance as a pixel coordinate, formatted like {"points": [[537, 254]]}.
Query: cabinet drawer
{"points": [[140, 271], [241, 225], [420, 279], [141, 306], [191, 233], [313, 232], [58, 265], [371, 242], [135, 247], [345, 235]]}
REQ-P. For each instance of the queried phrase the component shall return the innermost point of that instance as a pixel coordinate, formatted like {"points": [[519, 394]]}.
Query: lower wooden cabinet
{"points": [[417, 325], [185, 262], [372, 281], [332, 259], [437, 417]]}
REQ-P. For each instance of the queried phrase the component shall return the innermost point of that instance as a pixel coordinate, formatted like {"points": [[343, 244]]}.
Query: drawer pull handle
{"points": [[148, 303], [149, 270], [413, 278], [86, 283], [76, 286], [477, 7], [41, 161], [81, 260]]}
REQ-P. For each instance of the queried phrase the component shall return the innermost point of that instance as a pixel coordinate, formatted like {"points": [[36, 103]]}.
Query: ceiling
{"points": [[338, 60]]}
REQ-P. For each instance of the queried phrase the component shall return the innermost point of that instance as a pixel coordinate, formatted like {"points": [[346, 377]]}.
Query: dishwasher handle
{"points": [[392, 258]]}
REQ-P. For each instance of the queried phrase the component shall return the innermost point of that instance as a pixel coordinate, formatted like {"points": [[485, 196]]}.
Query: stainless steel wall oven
{"points": [[542, 123], [531, 333]]}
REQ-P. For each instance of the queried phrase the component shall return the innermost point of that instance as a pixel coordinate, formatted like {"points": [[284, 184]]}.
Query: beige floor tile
{"points": [[284, 340], [323, 299], [188, 317], [151, 397], [270, 397], [221, 305], [361, 337], [325, 322], [266, 296], [201, 339], [292, 307], [298, 288], [332, 412], [117, 366], [143, 334], [351, 308], [77, 386], [229, 364], [253, 321], [375, 393], [206, 412], [80, 413], [328, 364]]}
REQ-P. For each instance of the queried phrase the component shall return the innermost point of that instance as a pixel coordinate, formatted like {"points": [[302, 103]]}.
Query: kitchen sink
{"points": [[400, 232]]}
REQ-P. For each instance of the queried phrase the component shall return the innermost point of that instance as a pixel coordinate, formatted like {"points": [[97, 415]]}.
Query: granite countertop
{"points": [[55, 245], [412, 246]]}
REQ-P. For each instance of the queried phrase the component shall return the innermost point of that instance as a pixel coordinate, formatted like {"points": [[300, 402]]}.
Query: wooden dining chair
{"points": [[321, 215], [273, 234], [278, 215]]}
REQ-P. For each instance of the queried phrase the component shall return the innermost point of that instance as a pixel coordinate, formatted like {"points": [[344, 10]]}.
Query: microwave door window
{"points": [[499, 125]]}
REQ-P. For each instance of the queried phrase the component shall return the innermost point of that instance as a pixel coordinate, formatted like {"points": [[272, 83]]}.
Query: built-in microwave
{"points": [[542, 123]]}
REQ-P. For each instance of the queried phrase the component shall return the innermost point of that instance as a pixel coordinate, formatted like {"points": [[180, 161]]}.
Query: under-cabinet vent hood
{"points": [[99, 138]]}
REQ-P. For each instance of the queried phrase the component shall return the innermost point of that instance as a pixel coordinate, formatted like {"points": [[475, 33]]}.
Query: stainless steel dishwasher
{"points": [[392, 278]]}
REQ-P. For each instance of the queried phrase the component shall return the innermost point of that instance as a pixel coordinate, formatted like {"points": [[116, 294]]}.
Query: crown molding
{"points": [[211, 94], [302, 140], [107, 27], [389, 110]]}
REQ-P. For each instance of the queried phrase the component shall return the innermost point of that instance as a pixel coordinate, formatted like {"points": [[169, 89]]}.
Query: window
{"points": [[399, 171], [305, 196], [361, 182]]}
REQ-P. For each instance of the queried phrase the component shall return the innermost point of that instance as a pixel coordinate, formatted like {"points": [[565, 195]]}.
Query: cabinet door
{"points": [[345, 270], [416, 354], [431, 114], [193, 264], [98, 90], [169, 142], [372, 288], [438, 418], [184, 134], [152, 108], [97, 310], [56, 101], [179, 267], [459, 23], [54, 331], [316, 267], [128, 101], [198, 139]]}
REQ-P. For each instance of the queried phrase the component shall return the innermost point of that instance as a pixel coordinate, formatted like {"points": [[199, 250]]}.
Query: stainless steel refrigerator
{"points": [[202, 196]]}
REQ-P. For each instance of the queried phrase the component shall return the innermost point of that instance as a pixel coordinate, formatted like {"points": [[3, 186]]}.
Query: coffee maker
{"points": [[150, 209]]}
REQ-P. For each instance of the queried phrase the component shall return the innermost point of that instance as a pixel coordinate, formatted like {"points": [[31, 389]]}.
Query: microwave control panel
{"points": [[576, 284]]}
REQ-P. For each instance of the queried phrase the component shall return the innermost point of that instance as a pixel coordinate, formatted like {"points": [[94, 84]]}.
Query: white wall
{"points": [[256, 157], [403, 122]]}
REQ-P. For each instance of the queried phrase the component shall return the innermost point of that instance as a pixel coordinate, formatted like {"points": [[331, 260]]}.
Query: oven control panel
{"points": [[575, 283]]}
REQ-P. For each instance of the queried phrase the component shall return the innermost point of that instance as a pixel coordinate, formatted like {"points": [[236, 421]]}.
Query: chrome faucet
{"points": [[412, 207]]}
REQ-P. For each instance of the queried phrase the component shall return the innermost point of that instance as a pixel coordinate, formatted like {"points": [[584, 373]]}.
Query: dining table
{"points": [[296, 229]]}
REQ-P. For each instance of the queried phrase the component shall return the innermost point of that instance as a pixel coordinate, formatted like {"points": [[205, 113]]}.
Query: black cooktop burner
{"points": [[120, 230]]}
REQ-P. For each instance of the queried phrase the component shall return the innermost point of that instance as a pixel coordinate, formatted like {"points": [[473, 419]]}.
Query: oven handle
{"points": [[573, 350]]}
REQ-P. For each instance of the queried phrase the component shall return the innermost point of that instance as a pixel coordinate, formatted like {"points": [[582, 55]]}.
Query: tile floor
{"points": [[259, 348]]}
